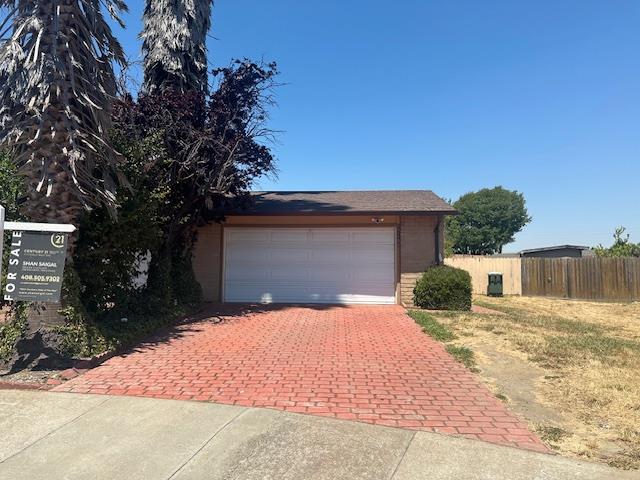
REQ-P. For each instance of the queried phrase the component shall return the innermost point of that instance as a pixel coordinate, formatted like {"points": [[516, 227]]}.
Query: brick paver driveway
{"points": [[365, 363]]}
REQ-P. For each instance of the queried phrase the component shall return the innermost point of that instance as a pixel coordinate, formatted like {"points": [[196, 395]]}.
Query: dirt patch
{"points": [[29, 377], [515, 381], [570, 368]]}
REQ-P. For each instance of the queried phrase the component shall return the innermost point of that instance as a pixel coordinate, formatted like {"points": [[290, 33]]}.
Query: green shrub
{"points": [[13, 325], [443, 288]]}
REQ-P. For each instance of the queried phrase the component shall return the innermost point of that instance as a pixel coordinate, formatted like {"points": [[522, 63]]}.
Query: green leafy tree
{"points": [[622, 246], [199, 153], [488, 220]]}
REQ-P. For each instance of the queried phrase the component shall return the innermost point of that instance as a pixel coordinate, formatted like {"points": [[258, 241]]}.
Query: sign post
{"points": [[37, 254], [1, 237]]}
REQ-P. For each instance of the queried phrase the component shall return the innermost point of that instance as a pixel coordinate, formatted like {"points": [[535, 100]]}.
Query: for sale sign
{"points": [[36, 266]]}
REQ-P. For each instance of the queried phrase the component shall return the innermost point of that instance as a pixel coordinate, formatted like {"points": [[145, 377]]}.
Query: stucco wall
{"points": [[207, 261], [416, 247]]}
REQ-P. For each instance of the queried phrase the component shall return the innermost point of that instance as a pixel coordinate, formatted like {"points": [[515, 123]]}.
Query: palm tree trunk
{"points": [[57, 86], [48, 202]]}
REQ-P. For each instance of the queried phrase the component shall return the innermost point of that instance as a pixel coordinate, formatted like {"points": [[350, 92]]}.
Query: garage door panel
{"points": [[242, 254], [296, 254], [370, 291], [322, 265], [256, 295], [289, 236], [375, 256], [338, 277], [248, 273], [287, 273], [373, 275], [328, 292], [261, 293], [385, 237], [330, 236], [331, 255]]}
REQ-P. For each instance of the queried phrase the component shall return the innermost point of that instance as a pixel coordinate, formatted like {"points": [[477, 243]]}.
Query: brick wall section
{"points": [[417, 252], [207, 261]]}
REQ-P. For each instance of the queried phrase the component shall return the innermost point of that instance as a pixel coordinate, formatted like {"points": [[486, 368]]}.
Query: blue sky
{"points": [[542, 97]]}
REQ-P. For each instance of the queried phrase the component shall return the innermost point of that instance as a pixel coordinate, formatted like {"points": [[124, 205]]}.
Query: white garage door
{"points": [[309, 265]]}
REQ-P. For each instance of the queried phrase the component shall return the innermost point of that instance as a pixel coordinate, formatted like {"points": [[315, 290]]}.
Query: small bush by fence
{"points": [[594, 278], [444, 288]]}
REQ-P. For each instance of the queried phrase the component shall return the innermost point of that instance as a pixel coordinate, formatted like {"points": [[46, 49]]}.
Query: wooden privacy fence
{"points": [[593, 278], [479, 267]]}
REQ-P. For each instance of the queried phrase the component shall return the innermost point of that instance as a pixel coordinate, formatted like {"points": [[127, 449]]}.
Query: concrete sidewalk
{"points": [[55, 436]]}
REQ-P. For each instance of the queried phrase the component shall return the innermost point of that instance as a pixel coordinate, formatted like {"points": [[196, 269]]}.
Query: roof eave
{"points": [[350, 212]]}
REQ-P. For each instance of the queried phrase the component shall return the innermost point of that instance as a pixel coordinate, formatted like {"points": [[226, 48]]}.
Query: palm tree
{"points": [[57, 85], [174, 45]]}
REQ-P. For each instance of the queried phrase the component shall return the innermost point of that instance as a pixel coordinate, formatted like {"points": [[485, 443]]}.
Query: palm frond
{"points": [[57, 86], [174, 44]]}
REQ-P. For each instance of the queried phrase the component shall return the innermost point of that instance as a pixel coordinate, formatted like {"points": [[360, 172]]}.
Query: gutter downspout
{"points": [[436, 230]]}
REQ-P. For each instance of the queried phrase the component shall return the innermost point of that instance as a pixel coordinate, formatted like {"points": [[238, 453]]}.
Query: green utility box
{"points": [[495, 284]]}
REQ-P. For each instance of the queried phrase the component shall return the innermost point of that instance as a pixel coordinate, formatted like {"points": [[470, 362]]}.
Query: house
{"points": [[322, 247], [559, 251]]}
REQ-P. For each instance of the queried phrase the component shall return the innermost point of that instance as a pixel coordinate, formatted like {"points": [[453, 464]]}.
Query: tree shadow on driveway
{"points": [[212, 313]]}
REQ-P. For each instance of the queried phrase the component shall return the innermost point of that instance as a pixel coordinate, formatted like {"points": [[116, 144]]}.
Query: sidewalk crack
{"points": [[395, 470], [208, 442]]}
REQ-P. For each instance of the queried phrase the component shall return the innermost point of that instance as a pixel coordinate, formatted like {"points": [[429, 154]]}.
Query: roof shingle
{"points": [[347, 202]]}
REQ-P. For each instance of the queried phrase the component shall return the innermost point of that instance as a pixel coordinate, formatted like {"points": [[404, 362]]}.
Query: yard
{"points": [[570, 368]]}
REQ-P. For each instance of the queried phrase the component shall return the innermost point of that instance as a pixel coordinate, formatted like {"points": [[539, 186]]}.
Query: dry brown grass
{"points": [[590, 354]]}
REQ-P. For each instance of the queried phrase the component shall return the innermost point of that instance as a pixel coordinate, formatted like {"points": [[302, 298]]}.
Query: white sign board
{"points": [[37, 253]]}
